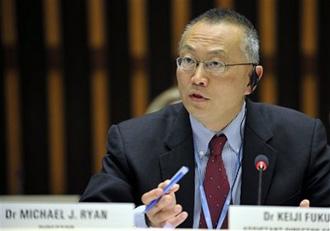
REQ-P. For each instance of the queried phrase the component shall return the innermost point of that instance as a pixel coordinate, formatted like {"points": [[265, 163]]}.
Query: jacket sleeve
{"points": [[318, 174], [113, 183]]}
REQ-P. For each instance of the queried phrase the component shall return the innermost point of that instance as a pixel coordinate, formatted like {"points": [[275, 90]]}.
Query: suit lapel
{"points": [[256, 137], [180, 144]]}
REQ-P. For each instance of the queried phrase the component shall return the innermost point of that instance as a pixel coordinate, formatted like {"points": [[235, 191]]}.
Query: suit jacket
{"points": [[142, 152]]}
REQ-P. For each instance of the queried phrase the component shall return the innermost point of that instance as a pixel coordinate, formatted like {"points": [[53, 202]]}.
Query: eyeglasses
{"points": [[214, 67]]}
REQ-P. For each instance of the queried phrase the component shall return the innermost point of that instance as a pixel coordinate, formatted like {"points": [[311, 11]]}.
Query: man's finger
{"points": [[174, 188], [163, 184], [304, 203], [176, 221], [164, 215], [151, 195], [167, 202]]}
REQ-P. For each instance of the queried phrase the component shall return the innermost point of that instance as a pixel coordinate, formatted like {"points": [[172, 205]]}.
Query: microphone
{"points": [[261, 162]]}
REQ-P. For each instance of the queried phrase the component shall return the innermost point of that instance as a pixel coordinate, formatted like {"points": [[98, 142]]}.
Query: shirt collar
{"points": [[233, 132]]}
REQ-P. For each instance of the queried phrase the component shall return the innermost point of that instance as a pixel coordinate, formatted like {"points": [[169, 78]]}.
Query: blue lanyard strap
{"points": [[205, 207]]}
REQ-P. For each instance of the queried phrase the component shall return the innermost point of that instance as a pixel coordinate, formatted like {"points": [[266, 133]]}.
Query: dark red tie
{"points": [[215, 184]]}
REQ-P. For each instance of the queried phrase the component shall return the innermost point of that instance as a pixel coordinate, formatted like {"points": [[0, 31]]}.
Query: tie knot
{"points": [[217, 143]]}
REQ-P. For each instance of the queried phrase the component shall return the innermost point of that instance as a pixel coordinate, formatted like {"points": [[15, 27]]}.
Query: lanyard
{"points": [[205, 207]]}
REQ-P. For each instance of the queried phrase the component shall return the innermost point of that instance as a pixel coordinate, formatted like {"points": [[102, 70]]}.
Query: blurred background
{"points": [[71, 68]]}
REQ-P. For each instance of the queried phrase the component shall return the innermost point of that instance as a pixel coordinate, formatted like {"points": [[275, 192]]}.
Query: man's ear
{"points": [[259, 71], [255, 77]]}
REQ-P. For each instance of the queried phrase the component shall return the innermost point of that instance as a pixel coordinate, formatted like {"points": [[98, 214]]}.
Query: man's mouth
{"points": [[197, 96]]}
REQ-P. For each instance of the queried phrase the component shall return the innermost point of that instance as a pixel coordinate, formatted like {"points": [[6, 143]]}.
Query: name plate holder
{"points": [[279, 218], [66, 215]]}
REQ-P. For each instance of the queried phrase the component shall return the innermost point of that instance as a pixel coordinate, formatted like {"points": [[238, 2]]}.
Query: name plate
{"points": [[279, 218], [66, 215]]}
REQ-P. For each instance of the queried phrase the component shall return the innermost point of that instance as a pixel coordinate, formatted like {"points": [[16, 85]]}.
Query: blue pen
{"points": [[175, 179]]}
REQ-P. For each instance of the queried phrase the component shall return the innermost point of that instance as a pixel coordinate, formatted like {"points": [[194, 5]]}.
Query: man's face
{"points": [[206, 96]]}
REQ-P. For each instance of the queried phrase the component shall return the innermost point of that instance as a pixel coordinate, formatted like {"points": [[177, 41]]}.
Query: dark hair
{"points": [[216, 16]]}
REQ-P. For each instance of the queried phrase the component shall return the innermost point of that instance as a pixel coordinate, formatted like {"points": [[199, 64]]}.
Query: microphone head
{"points": [[261, 162]]}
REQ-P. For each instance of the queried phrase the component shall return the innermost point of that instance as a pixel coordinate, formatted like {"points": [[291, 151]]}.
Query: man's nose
{"points": [[199, 76]]}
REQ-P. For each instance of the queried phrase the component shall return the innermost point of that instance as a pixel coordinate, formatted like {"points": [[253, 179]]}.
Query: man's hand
{"points": [[166, 212], [304, 203]]}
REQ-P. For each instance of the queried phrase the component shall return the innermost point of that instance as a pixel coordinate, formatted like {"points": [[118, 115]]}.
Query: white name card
{"points": [[279, 218], [66, 215]]}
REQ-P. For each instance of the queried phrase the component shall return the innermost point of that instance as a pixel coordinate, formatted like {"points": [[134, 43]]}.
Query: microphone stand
{"points": [[261, 163], [260, 171]]}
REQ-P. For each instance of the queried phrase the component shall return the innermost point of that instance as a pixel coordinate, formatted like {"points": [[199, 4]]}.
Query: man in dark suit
{"points": [[216, 69]]}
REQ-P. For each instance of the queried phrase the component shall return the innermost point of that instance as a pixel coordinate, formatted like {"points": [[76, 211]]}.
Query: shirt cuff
{"points": [[139, 219]]}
